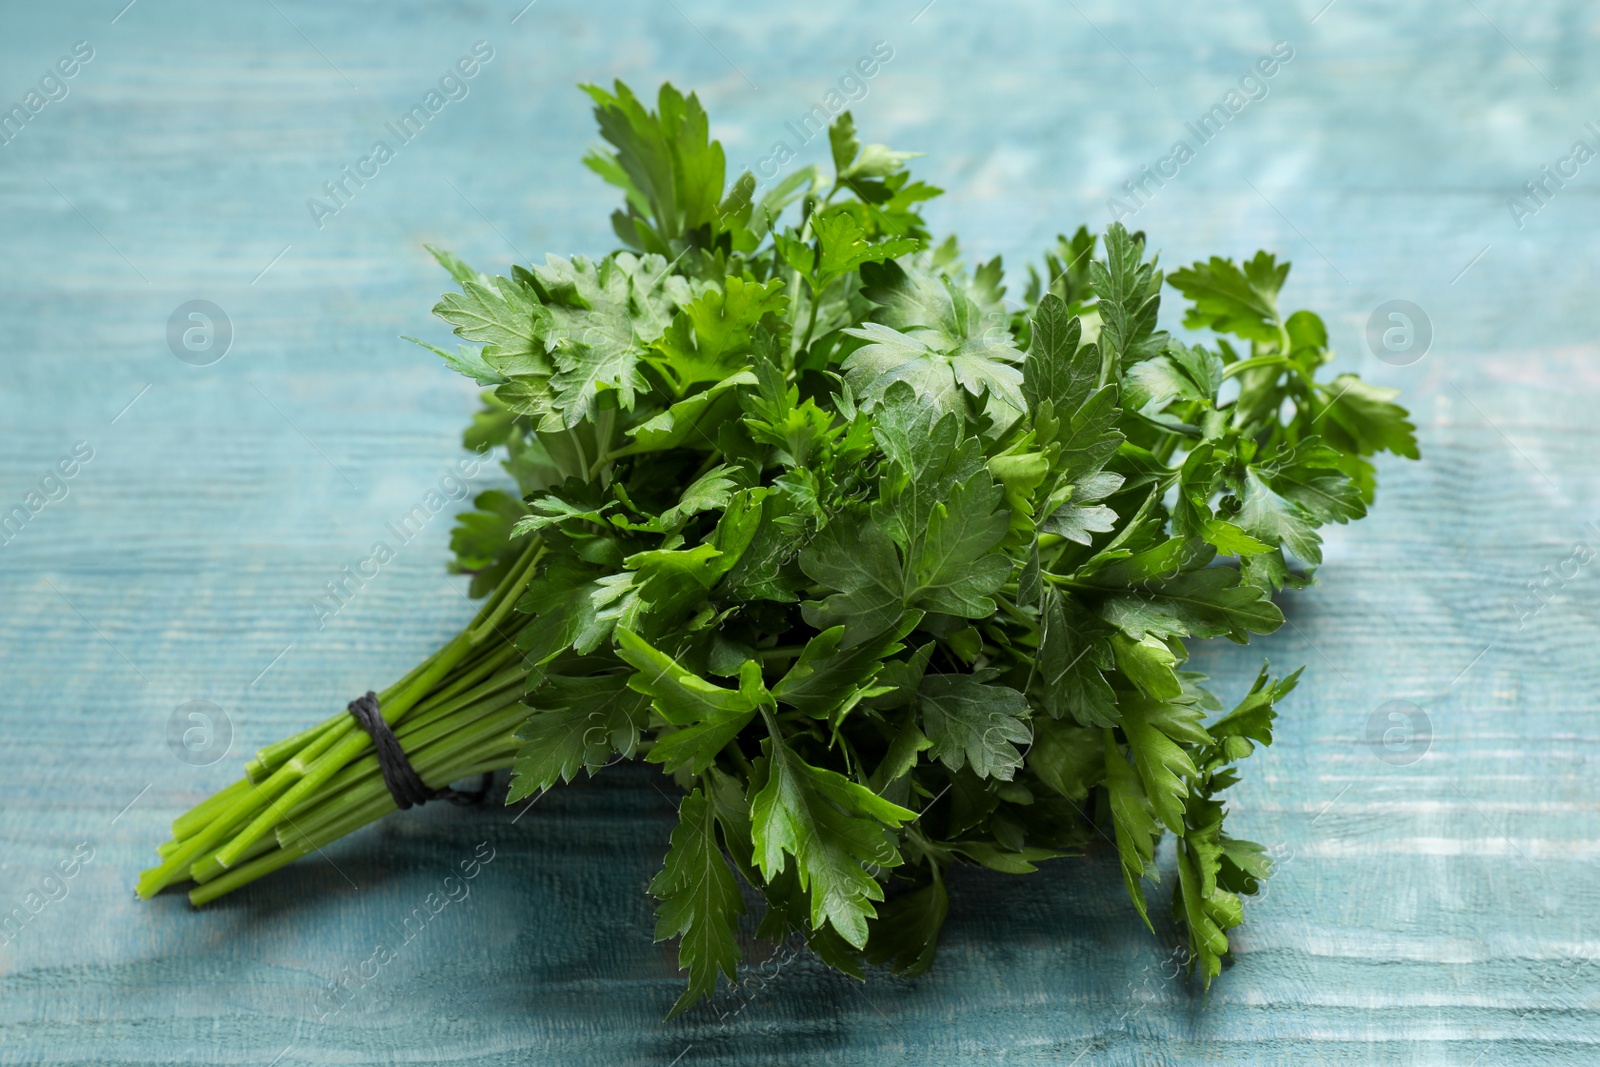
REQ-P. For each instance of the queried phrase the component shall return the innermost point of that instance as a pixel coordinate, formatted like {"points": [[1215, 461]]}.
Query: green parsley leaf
{"points": [[832, 827], [507, 317], [580, 723], [1130, 295], [707, 716], [1133, 821], [700, 901], [1230, 299], [971, 721]]}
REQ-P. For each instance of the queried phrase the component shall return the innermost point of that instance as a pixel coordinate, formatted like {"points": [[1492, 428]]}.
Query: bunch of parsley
{"points": [[888, 574]]}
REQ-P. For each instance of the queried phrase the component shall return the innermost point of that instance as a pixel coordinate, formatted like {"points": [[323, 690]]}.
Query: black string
{"points": [[405, 784]]}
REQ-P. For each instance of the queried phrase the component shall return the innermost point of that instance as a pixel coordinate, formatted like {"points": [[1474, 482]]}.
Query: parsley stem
{"points": [[343, 744], [197, 818], [604, 425], [461, 703], [272, 757], [577, 446], [811, 321], [1252, 364], [710, 461], [509, 593], [1257, 362], [1070, 583], [352, 821], [348, 748], [434, 751]]}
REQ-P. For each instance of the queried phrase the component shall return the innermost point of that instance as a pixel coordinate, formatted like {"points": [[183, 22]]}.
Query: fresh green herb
{"points": [[888, 574]]}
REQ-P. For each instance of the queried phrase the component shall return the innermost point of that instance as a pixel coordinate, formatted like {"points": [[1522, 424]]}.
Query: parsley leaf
{"points": [[707, 716], [971, 721], [1130, 295], [831, 826], [700, 901], [1242, 301], [580, 723]]}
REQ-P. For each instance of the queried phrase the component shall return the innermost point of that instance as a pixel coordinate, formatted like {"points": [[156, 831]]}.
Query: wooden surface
{"points": [[1437, 910]]}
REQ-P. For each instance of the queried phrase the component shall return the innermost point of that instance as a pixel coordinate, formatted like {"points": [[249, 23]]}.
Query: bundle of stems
{"points": [[455, 714]]}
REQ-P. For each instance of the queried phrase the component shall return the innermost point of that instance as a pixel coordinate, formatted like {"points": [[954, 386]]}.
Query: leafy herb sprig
{"points": [[887, 573]]}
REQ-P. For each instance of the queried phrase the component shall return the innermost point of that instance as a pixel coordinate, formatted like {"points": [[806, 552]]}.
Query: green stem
{"points": [[811, 322], [199, 816], [1251, 364], [354, 820], [284, 778], [577, 445], [603, 428], [1168, 445], [711, 460], [509, 593], [432, 754], [474, 674], [329, 764], [489, 667], [432, 748]]}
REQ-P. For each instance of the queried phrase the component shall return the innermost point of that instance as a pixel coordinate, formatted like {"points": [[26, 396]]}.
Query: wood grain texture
{"points": [[1437, 912]]}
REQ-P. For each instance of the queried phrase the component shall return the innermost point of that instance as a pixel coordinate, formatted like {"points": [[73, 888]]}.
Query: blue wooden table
{"points": [[1432, 794]]}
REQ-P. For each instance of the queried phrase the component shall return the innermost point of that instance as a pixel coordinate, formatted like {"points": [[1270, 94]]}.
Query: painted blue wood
{"points": [[1436, 910]]}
